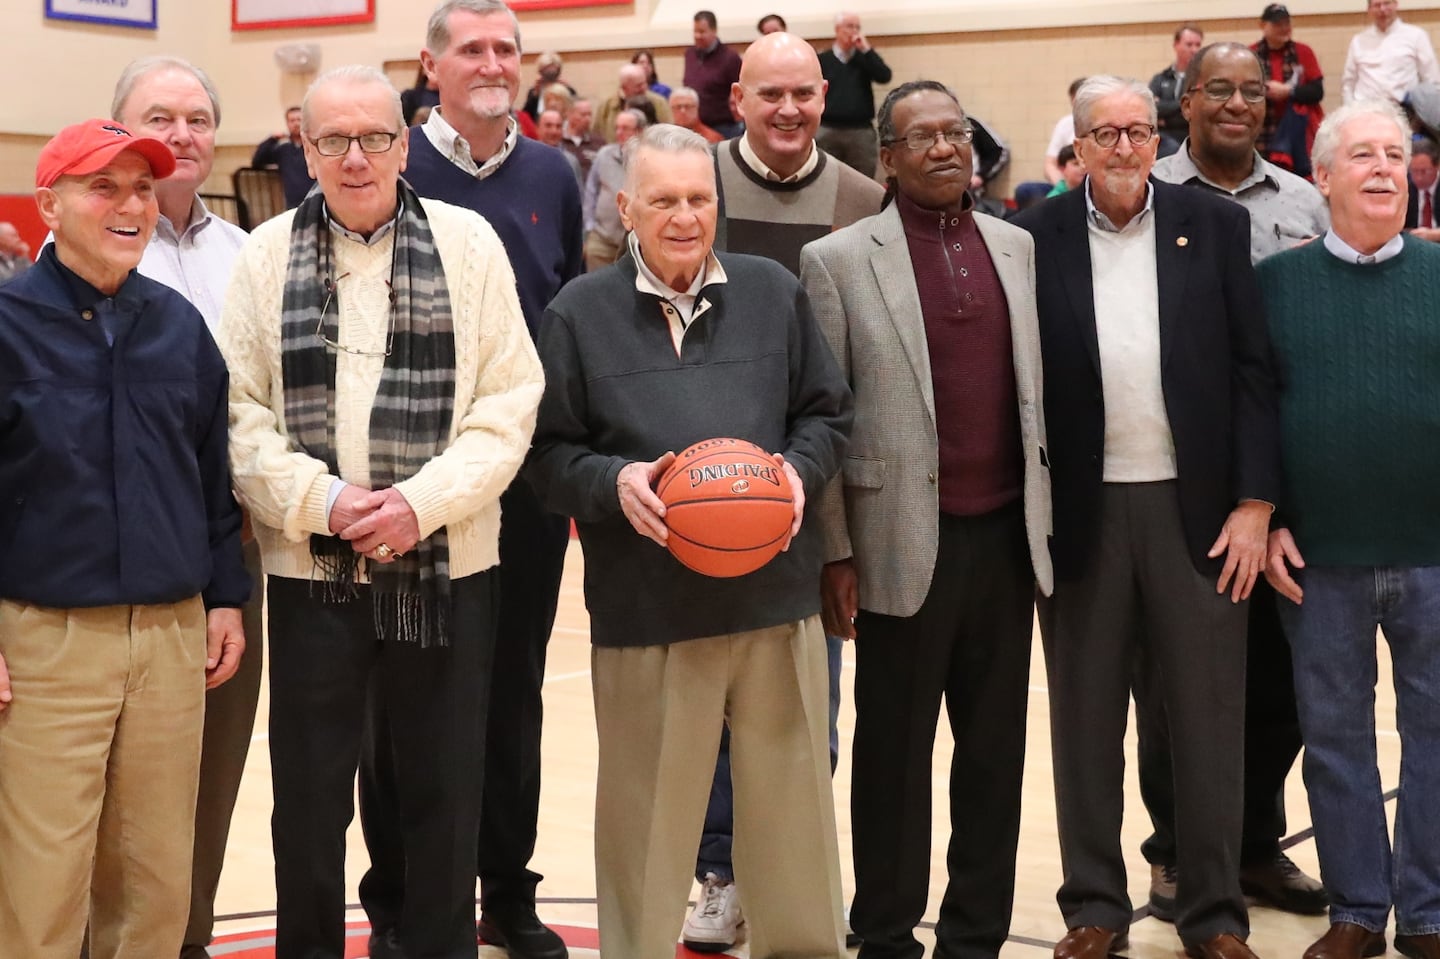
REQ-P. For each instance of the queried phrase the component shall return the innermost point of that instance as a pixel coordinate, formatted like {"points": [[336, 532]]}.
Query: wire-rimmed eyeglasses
{"points": [[338, 144], [919, 140], [330, 287]]}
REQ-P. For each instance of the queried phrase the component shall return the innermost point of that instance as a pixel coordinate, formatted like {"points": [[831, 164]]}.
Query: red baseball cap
{"points": [[84, 148]]}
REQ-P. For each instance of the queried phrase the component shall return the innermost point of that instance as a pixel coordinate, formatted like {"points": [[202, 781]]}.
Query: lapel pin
{"points": [[1182, 241]]}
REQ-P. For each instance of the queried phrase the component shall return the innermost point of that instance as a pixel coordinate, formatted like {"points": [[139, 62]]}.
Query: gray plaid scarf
{"points": [[409, 422]]}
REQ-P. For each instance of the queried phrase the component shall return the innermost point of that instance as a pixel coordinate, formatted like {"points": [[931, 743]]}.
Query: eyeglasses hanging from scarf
{"points": [[331, 288]]}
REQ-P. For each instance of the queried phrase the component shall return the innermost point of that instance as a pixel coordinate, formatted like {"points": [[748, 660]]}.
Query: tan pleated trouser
{"points": [[99, 758], [659, 712]]}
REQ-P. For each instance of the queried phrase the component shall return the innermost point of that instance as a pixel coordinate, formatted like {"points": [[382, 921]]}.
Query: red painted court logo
{"points": [[583, 942]]}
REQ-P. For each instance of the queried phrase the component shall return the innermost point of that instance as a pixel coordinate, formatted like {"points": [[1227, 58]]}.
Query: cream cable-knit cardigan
{"points": [[498, 382]]}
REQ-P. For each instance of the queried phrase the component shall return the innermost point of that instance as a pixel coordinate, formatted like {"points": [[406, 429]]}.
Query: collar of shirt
{"points": [[453, 147], [687, 304], [200, 217], [83, 294], [702, 54], [929, 223], [1103, 222], [374, 238], [1344, 251], [841, 53], [1184, 165], [753, 161]]}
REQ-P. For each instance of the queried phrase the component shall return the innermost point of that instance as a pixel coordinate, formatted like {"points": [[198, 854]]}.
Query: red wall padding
{"points": [[20, 210]]}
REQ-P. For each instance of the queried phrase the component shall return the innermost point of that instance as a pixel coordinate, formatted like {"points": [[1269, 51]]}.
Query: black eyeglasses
{"points": [[919, 141], [330, 287], [1222, 90], [1138, 134], [337, 145]]}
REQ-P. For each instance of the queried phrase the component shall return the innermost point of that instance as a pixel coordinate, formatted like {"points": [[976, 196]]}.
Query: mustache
{"points": [[1380, 185]]}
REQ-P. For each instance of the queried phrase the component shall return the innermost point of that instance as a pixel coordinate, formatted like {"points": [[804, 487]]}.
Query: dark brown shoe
{"points": [[1346, 940], [1419, 947], [1090, 942], [1281, 884], [1227, 945]]}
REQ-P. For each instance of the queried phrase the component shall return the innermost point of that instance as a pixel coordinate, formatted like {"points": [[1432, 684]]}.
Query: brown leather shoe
{"points": [[1279, 883], [1090, 942], [1346, 940], [1419, 947], [1227, 945]]}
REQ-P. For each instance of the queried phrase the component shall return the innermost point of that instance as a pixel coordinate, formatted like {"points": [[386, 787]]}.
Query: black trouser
{"points": [[532, 560], [1272, 741], [1140, 589], [412, 720], [970, 644], [229, 726]]}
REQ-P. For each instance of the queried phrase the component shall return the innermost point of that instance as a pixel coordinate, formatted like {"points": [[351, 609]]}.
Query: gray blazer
{"points": [[883, 510]]}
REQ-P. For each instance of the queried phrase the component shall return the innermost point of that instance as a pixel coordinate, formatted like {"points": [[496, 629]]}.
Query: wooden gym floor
{"points": [[565, 854]]}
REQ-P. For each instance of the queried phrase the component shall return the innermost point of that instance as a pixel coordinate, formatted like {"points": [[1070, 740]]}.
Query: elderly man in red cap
{"points": [[120, 565]]}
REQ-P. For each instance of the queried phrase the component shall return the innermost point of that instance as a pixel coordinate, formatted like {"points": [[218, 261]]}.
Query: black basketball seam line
{"points": [[729, 549], [730, 499]]}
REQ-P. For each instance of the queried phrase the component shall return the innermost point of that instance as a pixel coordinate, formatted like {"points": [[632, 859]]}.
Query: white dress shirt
{"points": [[1388, 65]]}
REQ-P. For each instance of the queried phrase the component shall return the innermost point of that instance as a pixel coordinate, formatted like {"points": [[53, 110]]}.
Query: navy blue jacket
{"points": [[114, 475]]}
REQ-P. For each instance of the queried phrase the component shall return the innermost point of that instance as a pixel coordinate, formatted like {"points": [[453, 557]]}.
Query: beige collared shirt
{"points": [[680, 309], [453, 147], [753, 161]]}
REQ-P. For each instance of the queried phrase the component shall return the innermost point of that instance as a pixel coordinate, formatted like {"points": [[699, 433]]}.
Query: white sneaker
{"points": [[713, 924]]}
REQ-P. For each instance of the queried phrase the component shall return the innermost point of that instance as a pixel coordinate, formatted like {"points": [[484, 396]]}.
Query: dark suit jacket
{"points": [[1215, 366], [1412, 206]]}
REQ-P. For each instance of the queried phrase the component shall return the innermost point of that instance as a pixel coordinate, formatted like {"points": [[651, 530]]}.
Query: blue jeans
{"points": [[715, 839], [1332, 637]]}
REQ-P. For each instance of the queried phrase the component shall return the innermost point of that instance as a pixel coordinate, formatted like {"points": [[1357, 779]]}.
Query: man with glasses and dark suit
{"points": [[383, 390], [1161, 413]]}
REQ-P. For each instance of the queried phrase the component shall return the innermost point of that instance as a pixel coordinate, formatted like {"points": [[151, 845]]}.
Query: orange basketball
{"points": [[728, 506]]}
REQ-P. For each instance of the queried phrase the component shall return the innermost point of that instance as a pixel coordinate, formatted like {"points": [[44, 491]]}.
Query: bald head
{"points": [[781, 96], [777, 52]]}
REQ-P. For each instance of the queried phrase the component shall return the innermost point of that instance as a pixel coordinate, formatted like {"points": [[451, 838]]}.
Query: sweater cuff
{"points": [[428, 502], [313, 514]]}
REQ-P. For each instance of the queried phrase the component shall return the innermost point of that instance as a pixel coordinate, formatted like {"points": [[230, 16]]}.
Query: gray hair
{"points": [[356, 75], [1097, 88], [684, 93], [662, 138], [641, 120], [1327, 138], [145, 66], [437, 31]]}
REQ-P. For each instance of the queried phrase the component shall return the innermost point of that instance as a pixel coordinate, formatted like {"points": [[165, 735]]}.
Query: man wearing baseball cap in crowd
{"points": [[1294, 87], [120, 564]]}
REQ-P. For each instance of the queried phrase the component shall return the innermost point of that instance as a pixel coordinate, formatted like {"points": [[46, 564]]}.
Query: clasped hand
{"points": [[368, 518]]}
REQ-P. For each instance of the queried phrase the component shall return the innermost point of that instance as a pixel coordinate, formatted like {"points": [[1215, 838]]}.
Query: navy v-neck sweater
{"points": [[532, 201]]}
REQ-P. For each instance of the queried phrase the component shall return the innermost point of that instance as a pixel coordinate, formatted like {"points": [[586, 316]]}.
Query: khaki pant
{"points": [[600, 252], [99, 755], [659, 711]]}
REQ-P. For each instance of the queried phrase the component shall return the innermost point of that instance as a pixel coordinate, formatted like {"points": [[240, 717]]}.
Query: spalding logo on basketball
{"points": [[728, 506]]}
